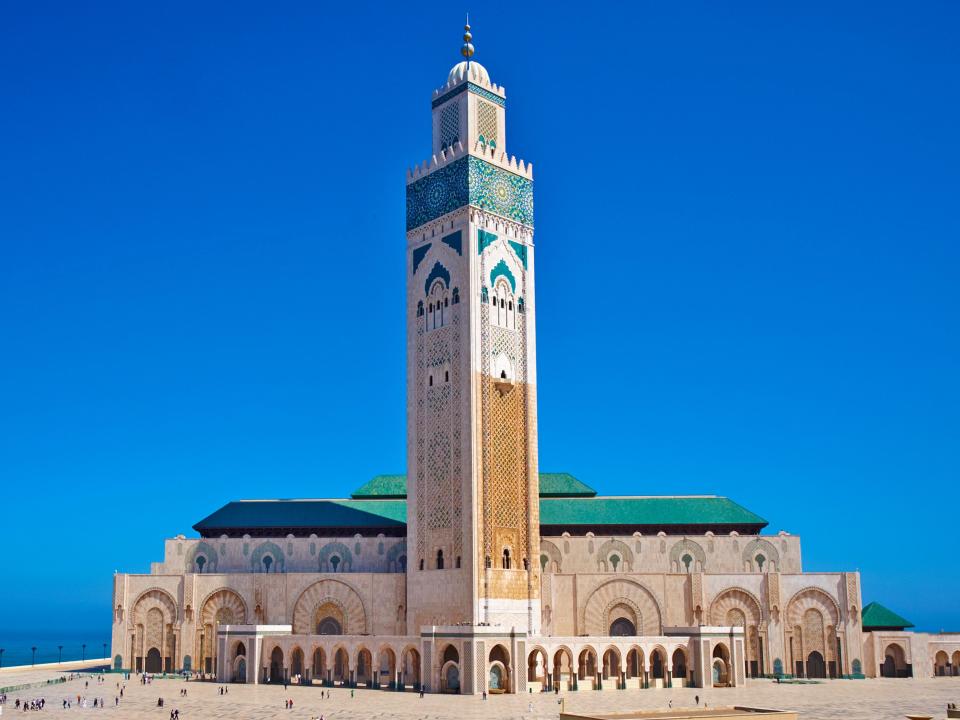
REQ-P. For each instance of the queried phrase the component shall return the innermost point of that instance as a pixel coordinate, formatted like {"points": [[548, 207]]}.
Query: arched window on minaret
{"points": [[438, 306], [502, 306], [506, 558], [439, 559]]}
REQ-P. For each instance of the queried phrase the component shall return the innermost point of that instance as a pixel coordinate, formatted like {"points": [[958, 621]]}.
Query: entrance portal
{"points": [[816, 667], [154, 664]]}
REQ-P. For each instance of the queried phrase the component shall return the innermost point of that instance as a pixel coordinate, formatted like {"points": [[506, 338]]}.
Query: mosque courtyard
{"points": [[876, 699]]}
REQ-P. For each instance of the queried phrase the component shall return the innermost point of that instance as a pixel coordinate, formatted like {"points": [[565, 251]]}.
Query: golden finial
{"points": [[467, 49]]}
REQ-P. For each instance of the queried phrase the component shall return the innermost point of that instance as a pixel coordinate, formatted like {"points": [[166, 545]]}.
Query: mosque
{"points": [[475, 572]]}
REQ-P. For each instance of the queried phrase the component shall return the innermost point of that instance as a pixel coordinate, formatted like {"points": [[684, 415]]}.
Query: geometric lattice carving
{"points": [[735, 600], [687, 548], [765, 549], [326, 592], [223, 607], [595, 618], [624, 555], [450, 125], [812, 598], [487, 122]]}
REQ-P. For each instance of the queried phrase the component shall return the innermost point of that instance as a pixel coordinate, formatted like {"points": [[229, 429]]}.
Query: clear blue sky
{"points": [[747, 232]]}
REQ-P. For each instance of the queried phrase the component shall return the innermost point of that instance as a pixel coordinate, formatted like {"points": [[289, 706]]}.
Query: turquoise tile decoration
{"points": [[419, 254], [438, 271], [521, 251], [454, 241], [501, 269], [439, 193], [500, 192], [475, 89], [484, 239], [469, 181]]}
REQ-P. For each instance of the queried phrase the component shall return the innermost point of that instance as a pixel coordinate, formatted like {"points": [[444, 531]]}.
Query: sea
{"points": [[17, 645]]}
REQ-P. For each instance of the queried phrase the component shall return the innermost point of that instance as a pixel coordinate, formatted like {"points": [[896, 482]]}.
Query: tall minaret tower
{"points": [[472, 510]]}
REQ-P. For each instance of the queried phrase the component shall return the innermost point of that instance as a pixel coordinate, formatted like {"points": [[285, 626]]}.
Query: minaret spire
{"points": [[467, 49]]}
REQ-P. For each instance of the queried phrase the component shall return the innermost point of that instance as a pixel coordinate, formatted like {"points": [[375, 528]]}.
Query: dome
{"points": [[478, 73]]}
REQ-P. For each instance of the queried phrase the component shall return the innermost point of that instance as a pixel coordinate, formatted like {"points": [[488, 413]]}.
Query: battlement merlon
{"points": [[477, 75], [458, 150]]}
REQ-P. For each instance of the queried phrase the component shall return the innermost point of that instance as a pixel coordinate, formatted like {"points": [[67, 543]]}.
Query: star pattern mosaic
{"points": [[469, 181]]}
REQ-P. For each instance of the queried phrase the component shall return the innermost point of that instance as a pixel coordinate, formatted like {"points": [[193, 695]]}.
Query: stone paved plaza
{"points": [[857, 700]]}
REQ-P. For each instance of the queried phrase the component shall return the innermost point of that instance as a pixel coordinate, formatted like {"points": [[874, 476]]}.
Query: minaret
{"points": [[472, 509]]}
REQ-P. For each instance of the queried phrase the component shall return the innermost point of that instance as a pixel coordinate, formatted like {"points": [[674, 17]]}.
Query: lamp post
{"points": [[1, 656], [59, 654], [104, 650], [33, 660], [83, 655]]}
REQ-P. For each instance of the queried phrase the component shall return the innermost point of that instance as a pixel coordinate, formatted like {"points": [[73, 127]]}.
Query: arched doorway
{"points": [[450, 670], [611, 666], [816, 667], [658, 667], [894, 662], [329, 619], [240, 663], [411, 668], [341, 667], [296, 664], [940, 663], [364, 675], [388, 668], [563, 675], [587, 668], [956, 663], [623, 627], [319, 664], [451, 678], [537, 668], [679, 668], [635, 667], [720, 665], [276, 666], [499, 675], [153, 664]]}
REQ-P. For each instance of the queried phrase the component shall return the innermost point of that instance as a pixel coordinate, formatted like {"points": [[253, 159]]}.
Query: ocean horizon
{"points": [[17, 646]]}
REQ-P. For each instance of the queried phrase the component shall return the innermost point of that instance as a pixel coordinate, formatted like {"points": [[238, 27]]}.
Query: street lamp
{"points": [[83, 655], [1, 656], [33, 660], [104, 650], [59, 654]]}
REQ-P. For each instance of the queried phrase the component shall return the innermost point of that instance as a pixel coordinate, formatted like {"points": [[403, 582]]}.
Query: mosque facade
{"points": [[475, 572]]}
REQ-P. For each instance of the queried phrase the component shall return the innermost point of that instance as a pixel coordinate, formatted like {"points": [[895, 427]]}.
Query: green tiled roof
{"points": [[551, 485], [563, 485], [307, 514], [876, 616], [703, 510], [685, 513], [383, 486]]}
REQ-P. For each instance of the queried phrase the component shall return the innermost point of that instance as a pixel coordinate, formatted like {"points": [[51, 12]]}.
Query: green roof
{"points": [[306, 514], [551, 485], [652, 511], [877, 617], [382, 486], [563, 485], [688, 514]]}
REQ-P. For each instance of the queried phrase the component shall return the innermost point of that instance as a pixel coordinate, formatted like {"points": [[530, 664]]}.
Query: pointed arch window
{"points": [[502, 312], [438, 312]]}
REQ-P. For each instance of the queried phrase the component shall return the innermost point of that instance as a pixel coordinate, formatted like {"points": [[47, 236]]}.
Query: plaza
{"points": [[879, 699]]}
